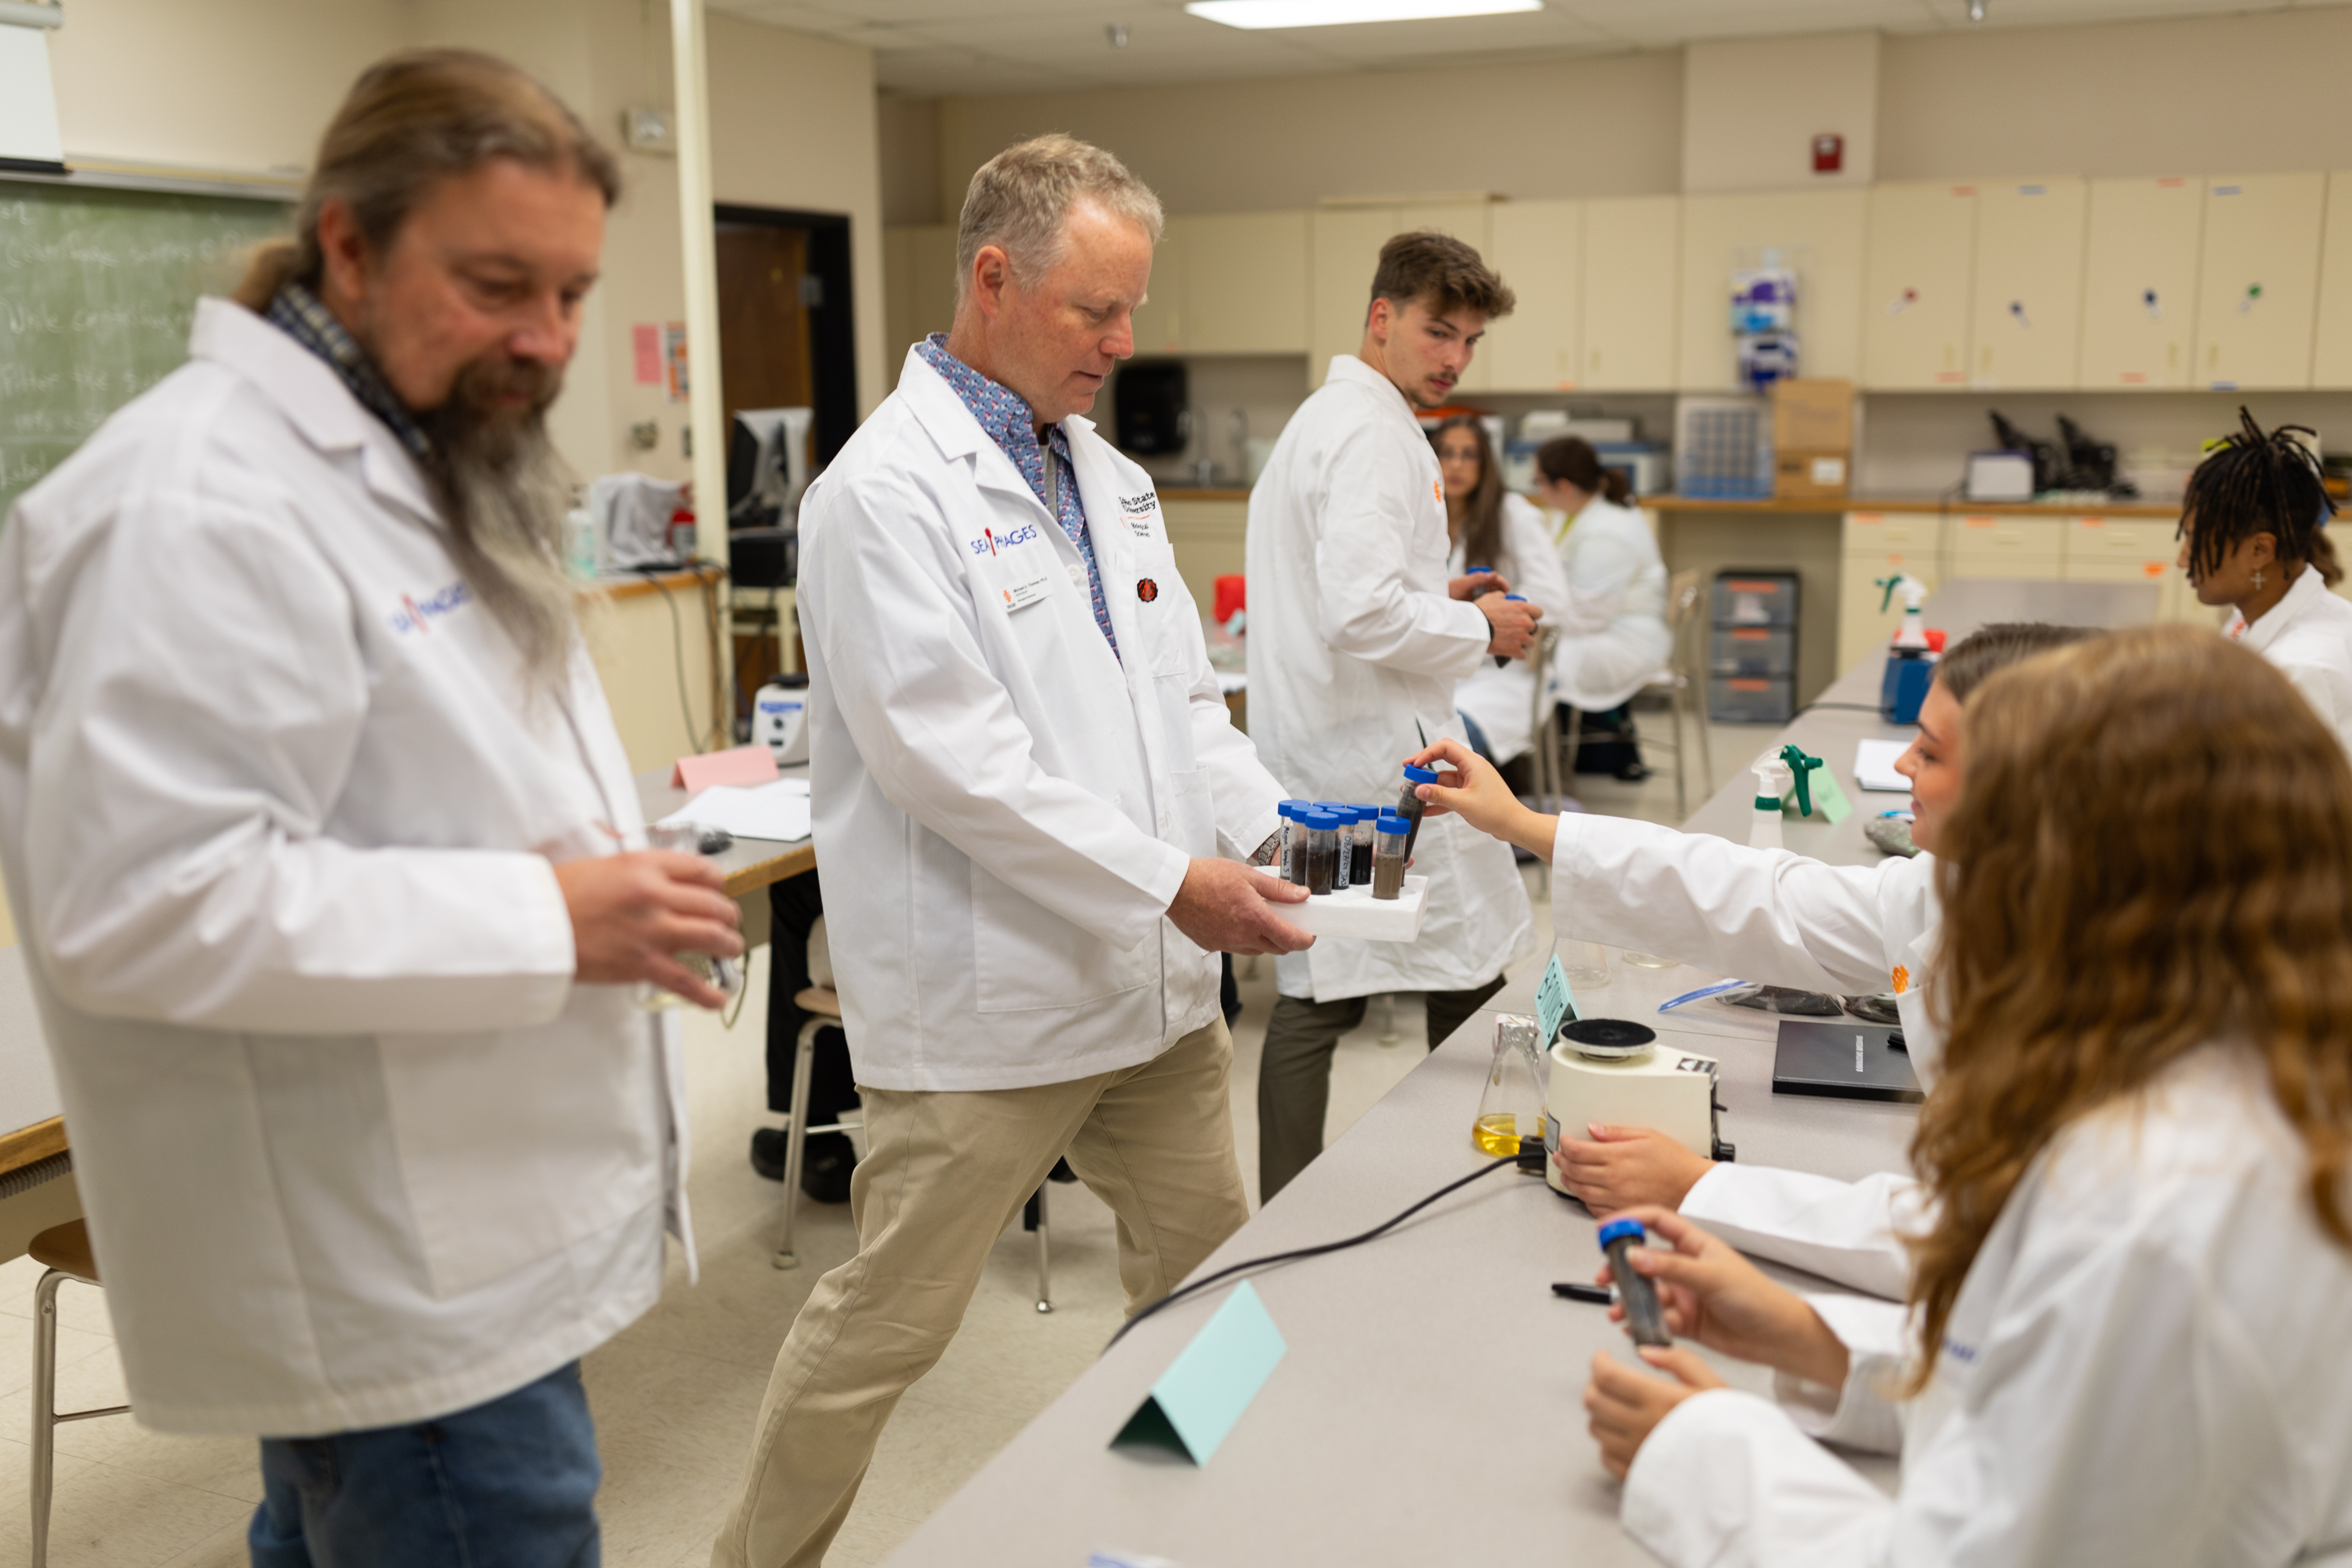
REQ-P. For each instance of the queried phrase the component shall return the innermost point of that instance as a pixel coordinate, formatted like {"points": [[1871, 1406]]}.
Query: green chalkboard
{"points": [[96, 289]]}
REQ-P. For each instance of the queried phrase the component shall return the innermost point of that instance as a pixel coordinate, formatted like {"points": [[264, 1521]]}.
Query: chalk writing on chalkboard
{"points": [[96, 289]]}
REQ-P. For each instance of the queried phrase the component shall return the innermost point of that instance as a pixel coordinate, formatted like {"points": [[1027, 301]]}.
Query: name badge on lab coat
{"points": [[1021, 595]]}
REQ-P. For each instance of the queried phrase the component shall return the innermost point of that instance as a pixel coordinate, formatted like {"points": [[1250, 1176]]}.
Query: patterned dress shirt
{"points": [[300, 315], [1005, 414]]}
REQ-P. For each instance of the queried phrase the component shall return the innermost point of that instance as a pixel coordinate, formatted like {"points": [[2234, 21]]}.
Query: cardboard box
{"points": [[1813, 415], [1800, 474]]}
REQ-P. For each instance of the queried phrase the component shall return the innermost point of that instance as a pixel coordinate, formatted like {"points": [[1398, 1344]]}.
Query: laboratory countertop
{"points": [[749, 864], [1836, 506], [636, 585], [1427, 1409]]}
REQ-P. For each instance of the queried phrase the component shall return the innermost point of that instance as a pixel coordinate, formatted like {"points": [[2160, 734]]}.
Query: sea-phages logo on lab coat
{"points": [[989, 542], [418, 615]]}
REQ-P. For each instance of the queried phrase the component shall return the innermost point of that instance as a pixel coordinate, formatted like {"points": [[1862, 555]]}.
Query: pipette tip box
{"points": [[1355, 913]]}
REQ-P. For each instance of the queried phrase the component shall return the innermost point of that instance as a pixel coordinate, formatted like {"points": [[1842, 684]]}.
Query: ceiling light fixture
{"points": [[1117, 33], [1976, 12], [1259, 14]]}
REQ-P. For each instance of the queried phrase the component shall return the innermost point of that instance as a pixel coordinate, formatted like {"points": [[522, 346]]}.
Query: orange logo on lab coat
{"points": [[1437, 489], [1902, 980]]}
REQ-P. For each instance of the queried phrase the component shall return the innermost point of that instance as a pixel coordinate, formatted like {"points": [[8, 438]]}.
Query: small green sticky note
{"points": [[1555, 1002], [1203, 1393]]}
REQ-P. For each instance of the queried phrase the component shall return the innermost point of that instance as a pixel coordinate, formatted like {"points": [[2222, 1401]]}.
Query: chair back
{"points": [[1684, 655]]}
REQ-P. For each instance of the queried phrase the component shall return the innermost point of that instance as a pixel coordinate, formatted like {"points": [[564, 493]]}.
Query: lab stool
{"points": [[63, 1250], [823, 1005]]}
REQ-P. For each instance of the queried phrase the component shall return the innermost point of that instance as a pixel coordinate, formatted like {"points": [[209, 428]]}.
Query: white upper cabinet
{"points": [[1915, 300], [2331, 345], [1161, 322], [1632, 250], [1345, 248], [2140, 281], [1537, 247], [2025, 329], [1245, 283], [1818, 235], [2257, 294]]}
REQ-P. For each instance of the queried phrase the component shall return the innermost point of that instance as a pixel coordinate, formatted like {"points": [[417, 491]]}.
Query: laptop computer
{"points": [[1844, 1059]]}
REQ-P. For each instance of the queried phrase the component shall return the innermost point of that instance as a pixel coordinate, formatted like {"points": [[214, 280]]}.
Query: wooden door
{"points": [[763, 331]]}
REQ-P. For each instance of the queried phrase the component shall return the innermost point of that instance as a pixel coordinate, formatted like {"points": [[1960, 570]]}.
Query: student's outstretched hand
{"points": [[1715, 1296], [1480, 797], [1623, 1408], [1621, 1166]]}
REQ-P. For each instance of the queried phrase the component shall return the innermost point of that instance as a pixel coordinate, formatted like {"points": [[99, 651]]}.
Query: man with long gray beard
{"points": [[328, 863]]}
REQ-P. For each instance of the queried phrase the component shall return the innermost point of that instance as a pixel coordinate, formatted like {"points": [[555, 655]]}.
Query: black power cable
{"points": [[1527, 1158]]}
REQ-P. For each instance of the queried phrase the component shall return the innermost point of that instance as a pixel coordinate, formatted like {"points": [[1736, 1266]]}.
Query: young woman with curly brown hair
{"points": [[2129, 1339]]}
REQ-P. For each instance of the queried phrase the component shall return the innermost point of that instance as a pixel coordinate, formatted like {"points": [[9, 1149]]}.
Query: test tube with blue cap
{"points": [[1645, 1319], [1410, 806], [1503, 659]]}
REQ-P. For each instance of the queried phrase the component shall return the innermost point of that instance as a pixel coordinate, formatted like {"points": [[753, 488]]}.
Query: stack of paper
{"points": [[1874, 765], [778, 810]]}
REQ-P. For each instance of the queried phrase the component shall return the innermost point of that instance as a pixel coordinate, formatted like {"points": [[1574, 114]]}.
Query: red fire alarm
{"points": [[1829, 153]]}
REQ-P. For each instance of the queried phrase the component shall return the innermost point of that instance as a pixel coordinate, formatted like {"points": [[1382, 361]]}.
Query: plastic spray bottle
{"points": [[1910, 666], [1773, 778]]}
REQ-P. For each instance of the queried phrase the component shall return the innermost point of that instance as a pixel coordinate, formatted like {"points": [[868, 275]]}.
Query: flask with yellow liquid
{"points": [[1512, 1105]]}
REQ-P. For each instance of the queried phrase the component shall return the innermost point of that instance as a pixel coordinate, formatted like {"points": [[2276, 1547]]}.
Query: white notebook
{"points": [[1874, 765]]}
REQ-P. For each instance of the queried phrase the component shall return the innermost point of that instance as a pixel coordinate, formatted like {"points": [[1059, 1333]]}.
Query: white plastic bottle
{"points": [[1772, 780]]}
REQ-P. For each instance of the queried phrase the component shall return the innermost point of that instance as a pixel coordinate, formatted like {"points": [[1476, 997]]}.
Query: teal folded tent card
{"points": [[1205, 1389], [1555, 1002]]}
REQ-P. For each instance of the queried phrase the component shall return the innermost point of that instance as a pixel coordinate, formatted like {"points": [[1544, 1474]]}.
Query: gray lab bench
{"points": [[1428, 1408]]}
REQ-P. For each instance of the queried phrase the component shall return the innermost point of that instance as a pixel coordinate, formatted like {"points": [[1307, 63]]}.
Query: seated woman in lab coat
{"points": [[2129, 1339], [1488, 526], [2254, 536], [1612, 631], [1777, 917]]}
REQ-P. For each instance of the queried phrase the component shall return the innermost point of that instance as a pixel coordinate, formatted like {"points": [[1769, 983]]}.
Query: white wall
{"points": [[910, 147], [243, 85], [1751, 108], [792, 125], [1550, 128], [2241, 94]]}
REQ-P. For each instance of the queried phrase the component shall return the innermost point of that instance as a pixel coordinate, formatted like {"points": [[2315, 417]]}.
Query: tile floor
{"points": [[675, 1393]]}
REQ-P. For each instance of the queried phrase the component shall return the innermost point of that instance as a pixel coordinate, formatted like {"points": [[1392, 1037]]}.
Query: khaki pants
{"points": [[943, 1175]]}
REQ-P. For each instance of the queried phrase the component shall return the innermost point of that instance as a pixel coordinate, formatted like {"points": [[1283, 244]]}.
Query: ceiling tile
{"points": [[937, 46]]}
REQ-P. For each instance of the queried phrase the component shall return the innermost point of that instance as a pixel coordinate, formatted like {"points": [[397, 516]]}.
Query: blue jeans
{"points": [[512, 1484]]}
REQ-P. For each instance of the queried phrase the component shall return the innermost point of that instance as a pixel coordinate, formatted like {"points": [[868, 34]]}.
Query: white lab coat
{"points": [[277, 816], [2308, 636], [1502, 697], [2149, 1365], [1354, 654], [1003, 809], [1772, 916], [1614, 628]]}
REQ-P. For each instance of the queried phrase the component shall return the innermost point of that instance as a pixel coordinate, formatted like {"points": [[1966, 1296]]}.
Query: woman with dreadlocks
{"points": [[2253, 535]]}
